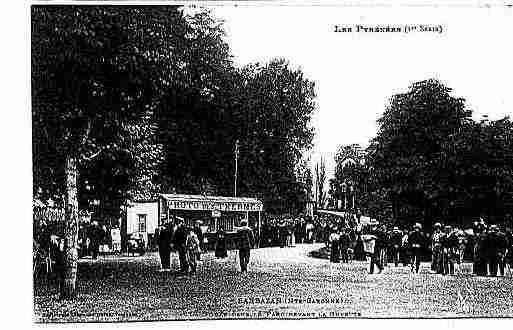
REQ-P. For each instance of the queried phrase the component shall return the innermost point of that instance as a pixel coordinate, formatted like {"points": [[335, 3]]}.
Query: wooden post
{"points": [[236, 167], [259, 227]]}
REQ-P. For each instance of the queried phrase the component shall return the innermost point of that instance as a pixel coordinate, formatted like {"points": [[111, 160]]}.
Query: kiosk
{"points": [[213, 211]]}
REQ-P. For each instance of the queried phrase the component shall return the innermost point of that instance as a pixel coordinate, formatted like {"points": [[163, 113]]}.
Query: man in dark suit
{"points": [[164, 236], [345, 241], [374, 248], [480, 251], [416, 240], [496, 247], [245, 241], [395, 244], [449, 244], [179, 237], [95, 235]]}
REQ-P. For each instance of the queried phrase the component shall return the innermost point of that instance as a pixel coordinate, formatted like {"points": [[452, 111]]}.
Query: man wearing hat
{"points": [[334, 240], [345, 241], [480, 251], [496, 249], [179, 238], [416, 240], [283, 233], [245, 241], [436, 248], [164, 235], [395, 244], [449, 243], [372, 247]]}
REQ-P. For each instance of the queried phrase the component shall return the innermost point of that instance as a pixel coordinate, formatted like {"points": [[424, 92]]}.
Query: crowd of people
{"points": [[189, 243], [286, 231], [489, 247], [91, 237]]}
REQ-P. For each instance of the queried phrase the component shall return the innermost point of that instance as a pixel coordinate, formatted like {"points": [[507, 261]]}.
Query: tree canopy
{"points": [[431, 162], [149, 101]]}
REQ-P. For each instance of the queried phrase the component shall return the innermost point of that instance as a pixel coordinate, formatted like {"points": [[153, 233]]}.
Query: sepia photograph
{"points": [[258, 160]]}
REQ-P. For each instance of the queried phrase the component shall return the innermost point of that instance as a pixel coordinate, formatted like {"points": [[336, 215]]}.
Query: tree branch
{"points": [[86, 133], [93, 156]]}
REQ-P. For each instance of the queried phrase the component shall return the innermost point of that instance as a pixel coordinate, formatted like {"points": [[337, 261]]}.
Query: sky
{"points": [[357, 73]]}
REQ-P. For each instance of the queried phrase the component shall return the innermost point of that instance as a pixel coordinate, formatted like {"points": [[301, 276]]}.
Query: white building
{"points": [[142, 217]]}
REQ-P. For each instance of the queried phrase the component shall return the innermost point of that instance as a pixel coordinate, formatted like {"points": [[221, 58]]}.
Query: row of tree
{"points": [[131, 101], [430, 161]]}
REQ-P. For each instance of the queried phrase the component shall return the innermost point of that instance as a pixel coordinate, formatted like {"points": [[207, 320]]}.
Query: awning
{"points": [[335, 213], [212, 203], [363, 219]]}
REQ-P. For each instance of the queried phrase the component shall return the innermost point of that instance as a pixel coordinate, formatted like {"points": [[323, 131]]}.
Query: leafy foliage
{"points": [[149, 100], [267, 108], [431, 162], [97, 76]]}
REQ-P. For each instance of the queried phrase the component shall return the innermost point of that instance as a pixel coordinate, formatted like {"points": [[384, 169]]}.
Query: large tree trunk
{"points": [[68, 287]]}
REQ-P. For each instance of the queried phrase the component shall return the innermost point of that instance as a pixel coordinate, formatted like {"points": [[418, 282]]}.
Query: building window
{"points": [[142, 222]]}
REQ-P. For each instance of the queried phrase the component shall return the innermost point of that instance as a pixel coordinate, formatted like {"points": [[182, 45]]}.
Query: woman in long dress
{"points": [[221, 251]]}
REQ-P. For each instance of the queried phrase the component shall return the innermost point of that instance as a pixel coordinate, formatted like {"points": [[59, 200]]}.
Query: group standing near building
{"points": [[188, 244]]}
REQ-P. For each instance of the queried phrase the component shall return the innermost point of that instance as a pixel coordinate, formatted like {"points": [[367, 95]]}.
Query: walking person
{"points": [[164, 236], [199, 233], [58, 259], [95, 235], [496, 248], [288, 225], [395, 245], [220, 251], [436, 249], [245, 241], [334, 239], [192, 248], [283, 233], [449, 243], [369, 248], [345, 241], [405, 251], [502, 251], [309, 228], [416, 240], [179, 238], [480, 251], [299, 231], [382, 243], [462, 244]]}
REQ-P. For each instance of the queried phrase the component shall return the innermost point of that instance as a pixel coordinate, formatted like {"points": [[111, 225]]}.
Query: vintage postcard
{"points": [[259, 160]]}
